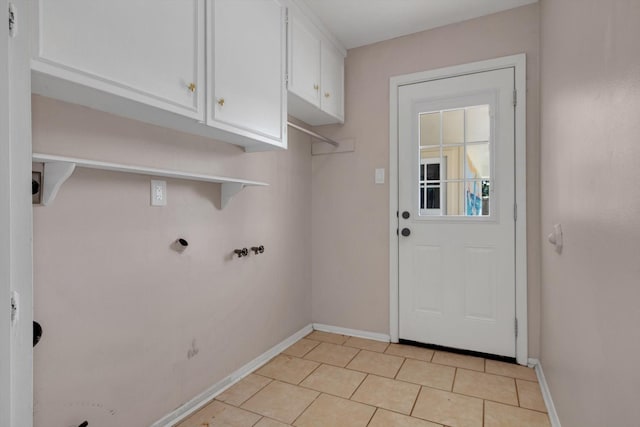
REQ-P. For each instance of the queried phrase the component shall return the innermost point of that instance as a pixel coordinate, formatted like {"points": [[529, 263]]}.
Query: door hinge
{"points": [[515, 97], [286, 16], [12, 20], [516, 326], [286, 79], [515, 212]]}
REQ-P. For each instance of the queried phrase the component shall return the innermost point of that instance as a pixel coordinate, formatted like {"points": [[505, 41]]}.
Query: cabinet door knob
{"points": [[316, 87], [221, 102], [192, 87], [327, 94]]}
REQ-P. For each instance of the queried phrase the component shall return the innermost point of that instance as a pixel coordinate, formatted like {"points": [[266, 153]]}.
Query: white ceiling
{"points": [[361, 22]]}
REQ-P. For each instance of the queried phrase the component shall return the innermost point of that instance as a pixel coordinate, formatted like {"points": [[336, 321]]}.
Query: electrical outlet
{"points": [[158, 193], [379, 178]]}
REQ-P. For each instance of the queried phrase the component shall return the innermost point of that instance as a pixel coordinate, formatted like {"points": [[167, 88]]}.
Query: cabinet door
{"points": [[332, 81], [304, 61], [151, 52], [246, 68]]}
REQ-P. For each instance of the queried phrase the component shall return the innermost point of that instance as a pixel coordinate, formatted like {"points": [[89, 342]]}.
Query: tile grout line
{"points": [[404, 360], [257, 391], [308, 351], [372, 416], [488, 400], [415, 402], [246, 410], [305, 409], [326, 392], [453, 383], [358, 388], [309, 374], [484, 402]]}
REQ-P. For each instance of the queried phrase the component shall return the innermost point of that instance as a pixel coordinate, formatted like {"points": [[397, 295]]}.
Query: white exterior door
{"points": [[456, 221], [16, 390]]}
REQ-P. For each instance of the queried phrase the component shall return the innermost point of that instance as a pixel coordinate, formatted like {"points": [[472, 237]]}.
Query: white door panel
{"points": [[16, 354], [457, 266]]}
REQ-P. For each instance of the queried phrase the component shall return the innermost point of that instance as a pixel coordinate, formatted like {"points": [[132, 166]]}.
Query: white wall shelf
{"points": [[57, 169]]}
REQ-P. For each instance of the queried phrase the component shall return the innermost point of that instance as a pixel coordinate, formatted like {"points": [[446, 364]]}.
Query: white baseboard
{"points": [[546, 393], [352, 332], [206, 396]]}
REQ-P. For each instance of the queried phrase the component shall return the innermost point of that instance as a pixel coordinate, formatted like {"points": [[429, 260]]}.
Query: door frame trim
{"points": [[519, 64]]}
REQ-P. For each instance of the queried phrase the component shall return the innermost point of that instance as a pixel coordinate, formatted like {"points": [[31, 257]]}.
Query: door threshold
{"points": [[489, 356]]}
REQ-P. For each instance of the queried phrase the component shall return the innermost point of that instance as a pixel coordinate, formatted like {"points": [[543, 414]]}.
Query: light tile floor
{"points": [[329, 380]]}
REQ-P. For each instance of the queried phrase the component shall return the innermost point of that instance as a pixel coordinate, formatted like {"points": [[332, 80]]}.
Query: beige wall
{"points": [[350, 237], [121, 311], [590, 182]]}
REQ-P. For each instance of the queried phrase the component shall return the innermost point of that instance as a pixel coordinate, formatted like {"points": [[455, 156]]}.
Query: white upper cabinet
{"points": [[315, 71], [149, 52], [145, 60], [246, 66], [304, 61], [332, 82]]}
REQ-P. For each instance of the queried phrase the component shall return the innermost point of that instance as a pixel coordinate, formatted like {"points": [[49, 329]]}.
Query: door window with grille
{"points": [[455, 173]]}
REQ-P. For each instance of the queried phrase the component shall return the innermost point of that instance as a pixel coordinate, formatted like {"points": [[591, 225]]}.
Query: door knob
{"points": [[406, 214], [405, 232]]}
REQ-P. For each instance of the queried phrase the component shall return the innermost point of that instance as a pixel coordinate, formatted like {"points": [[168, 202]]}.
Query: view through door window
{"points": [[455, 162]]}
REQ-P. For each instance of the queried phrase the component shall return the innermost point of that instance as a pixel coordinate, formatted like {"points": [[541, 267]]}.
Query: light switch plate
{"points": [[158, 193], [380, 176]]}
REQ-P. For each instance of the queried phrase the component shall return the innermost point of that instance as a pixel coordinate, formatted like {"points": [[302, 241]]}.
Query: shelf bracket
{"points": [[229, 189], [54, 175]]}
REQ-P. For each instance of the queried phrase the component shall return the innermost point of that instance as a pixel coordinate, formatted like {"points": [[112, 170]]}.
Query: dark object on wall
{"points": [[241, 252], [183, 242], [257, 249], [84, 424], [36, 186], [37, 333]]}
